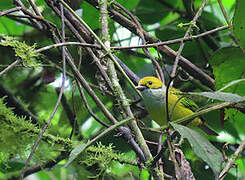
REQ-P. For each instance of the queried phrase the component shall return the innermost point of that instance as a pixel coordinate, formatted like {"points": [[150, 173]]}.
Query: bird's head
{"points": [[149, 82]]}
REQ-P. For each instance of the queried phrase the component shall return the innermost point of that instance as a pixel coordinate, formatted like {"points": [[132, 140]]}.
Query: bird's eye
{"points": [[150, 83]]}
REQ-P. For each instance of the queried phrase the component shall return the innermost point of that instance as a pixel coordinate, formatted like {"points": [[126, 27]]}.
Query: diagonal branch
{"points": [[187, 34], [192, 69]]}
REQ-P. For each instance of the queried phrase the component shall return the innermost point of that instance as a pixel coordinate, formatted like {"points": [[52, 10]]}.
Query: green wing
{"points": [[187, 102]]}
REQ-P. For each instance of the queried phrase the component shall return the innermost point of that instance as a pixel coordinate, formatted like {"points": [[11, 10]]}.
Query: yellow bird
{"points": [[154, 97]]}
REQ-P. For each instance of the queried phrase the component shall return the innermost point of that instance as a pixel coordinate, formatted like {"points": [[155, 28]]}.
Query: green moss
{"points": [[103, 156], [25, 52], [18, 135], [14, 135], [190, 24]]}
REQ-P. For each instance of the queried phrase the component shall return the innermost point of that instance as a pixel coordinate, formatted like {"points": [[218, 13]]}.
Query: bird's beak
{"points": [[140, 88]]}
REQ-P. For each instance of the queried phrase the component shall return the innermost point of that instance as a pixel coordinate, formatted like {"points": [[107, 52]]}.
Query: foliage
{"points": [[13, 131], [16, 136], [211, 70], [21, 49], [102, 156]]}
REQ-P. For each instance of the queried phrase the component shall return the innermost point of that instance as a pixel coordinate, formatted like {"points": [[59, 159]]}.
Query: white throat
{"points": [[155, 98]]}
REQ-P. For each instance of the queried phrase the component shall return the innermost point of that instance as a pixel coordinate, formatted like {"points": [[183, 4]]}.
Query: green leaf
{"points": [[11, 166], [232, 83], [222, 96], [6, 5], [11, 27], [202, 147], [91, 15], [150, 12], [239, 22], [76, 151], [174, 31], [128, 4], [228, 65]]}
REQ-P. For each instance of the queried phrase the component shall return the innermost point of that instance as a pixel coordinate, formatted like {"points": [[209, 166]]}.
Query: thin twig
{"points": [[35, 8], [67, 44], [227, 21], [56, 105], [87, 106], [190, 38], [172, 156], [3, 13], [10, 67], [160, 162], [19, 16], [165, 50], [224, 13], [49, 164], [158, 44], [140, 30], [166, 100], [101, 43], [199, 113], [43, 130], [27, 12], [232, 160], [187, 34], [70, 114]]}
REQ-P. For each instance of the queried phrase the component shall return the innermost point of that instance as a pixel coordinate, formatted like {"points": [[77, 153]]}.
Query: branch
{"points": [[204, 111], [186, 64], [232, 160], [158, 44], [77, 29], [49, 164], [122, 99], [15, 63], [69, 113], [18, 109], [187, 34], [67, 44], [100, 43], [158, 69], [85, 85], [87, 105], [56, 105], [3, 13]]}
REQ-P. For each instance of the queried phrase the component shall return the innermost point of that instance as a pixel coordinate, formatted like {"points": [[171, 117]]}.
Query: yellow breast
{"points": [[154, 100]]}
